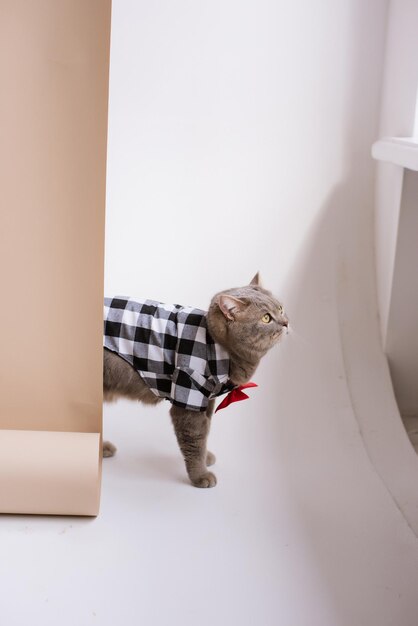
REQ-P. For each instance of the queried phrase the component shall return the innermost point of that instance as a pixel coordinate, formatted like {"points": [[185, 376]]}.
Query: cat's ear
{"points": [[230, 306], [256, 280]]}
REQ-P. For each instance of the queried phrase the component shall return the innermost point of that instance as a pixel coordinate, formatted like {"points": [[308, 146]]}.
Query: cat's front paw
{"points": [[204, 480]]}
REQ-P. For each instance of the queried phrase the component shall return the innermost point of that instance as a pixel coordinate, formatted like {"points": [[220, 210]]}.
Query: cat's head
{"points": [[247, 321]]}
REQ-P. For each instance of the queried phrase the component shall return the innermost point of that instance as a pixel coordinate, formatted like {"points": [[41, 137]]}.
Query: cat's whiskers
{"points": [[295, 336]]}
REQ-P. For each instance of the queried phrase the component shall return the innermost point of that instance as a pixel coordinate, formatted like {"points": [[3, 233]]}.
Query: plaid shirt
{"points": [[171, 349]]}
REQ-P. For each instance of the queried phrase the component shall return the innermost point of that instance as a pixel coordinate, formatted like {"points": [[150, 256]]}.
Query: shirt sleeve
{"points": [[191, 390]]}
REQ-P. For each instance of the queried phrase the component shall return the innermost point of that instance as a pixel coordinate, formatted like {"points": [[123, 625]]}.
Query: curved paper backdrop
{"points": [[54, 63]]}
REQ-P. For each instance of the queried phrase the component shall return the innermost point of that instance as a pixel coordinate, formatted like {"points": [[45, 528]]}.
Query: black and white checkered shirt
{"points": [[171, 349]]}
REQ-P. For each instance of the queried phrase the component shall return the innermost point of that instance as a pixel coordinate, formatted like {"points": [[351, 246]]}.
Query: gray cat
{"points": [[189, 357]]}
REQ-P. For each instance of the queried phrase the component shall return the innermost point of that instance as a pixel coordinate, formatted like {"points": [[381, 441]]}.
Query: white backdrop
{"points": [[230, 124], [239, 139]]}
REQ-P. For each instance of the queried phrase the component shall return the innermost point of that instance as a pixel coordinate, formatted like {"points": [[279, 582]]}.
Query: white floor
{"points": [[308, 523], [300, 530]]}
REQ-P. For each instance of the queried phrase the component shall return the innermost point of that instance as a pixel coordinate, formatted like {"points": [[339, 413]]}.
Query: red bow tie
{"points": [[235, 395]]}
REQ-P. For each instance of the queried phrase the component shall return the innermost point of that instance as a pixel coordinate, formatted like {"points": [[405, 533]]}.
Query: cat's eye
{"points": [[266, 318]]}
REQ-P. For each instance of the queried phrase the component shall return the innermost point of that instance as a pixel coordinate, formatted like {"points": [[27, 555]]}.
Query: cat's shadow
{"points": [[147, 466]]}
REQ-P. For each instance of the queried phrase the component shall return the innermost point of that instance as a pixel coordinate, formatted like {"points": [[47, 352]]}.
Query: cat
{"points": [[208, 354]]}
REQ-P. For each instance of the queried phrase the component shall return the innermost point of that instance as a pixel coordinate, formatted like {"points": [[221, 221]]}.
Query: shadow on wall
{"points": [[318, 444], [344, 510]]}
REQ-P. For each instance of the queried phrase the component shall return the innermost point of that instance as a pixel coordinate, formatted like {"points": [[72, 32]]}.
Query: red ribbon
{"points": [[235, 395]]}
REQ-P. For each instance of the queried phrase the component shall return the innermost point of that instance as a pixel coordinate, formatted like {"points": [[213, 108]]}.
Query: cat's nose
{"points": [[285, 323]]}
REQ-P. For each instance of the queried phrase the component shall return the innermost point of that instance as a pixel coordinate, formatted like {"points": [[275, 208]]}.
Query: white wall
{"points": [[400, 83], [231, 122], [240, 137]]}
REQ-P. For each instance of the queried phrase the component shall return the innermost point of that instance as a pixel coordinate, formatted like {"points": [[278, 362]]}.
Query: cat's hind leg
{"points": [[108, 449], [210, 458]]}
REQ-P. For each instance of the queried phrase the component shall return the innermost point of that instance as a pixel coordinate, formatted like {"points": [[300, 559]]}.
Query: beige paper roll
{"points": [[49, 472], [54, 63]]}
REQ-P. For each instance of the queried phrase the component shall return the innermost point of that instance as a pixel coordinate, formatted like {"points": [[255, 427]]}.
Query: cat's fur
{"points": [[234, 321]]}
